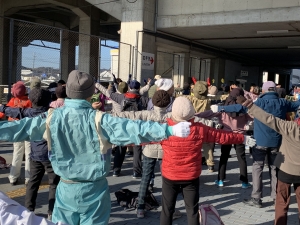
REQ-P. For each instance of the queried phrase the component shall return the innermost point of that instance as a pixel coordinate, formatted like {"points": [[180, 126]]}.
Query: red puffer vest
{"points": [[182, 159]]}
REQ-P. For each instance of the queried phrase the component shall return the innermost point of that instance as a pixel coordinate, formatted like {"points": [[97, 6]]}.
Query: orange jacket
{"points": [[182, 157], [22, 102]]}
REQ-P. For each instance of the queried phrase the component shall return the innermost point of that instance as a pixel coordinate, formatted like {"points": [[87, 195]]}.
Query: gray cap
{"points": [[35, 83], [80, 85]]}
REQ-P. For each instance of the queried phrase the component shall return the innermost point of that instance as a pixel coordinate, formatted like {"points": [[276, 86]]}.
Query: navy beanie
{"points": [[134, 85]]}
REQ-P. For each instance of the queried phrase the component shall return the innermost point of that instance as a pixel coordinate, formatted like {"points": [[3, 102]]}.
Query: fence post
{"points": [[60, 52], [10, 56]]}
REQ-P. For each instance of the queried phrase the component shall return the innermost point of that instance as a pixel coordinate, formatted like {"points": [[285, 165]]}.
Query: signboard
{"points": [[244, 73], [147, 61]]}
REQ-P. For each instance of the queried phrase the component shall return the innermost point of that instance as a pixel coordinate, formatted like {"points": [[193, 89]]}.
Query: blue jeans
{"points": [[148, 172]]}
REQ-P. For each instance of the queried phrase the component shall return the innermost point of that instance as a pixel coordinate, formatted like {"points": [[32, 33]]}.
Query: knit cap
{"points": [[134, 84], [60, 92], [164, 84], [35, 83], [161, 99], [212, 90], [200, 89], [60, 82], [182, 109], [39, 97], [267, 85], [80, 85], [18, 90], [157, 77], [123, 87]]}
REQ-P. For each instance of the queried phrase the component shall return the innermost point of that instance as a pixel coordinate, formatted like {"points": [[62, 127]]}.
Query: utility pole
{"points": [[33, 63]]}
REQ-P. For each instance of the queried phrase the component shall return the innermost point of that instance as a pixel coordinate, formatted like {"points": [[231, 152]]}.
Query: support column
{"points": [[217, 71], [4, 49], [182, 65], [67, 54], [17, 63], [136, 17], [88, 46]]}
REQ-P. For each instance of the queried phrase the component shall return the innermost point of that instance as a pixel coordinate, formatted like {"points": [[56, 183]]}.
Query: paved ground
{"points": [[227, 200]]}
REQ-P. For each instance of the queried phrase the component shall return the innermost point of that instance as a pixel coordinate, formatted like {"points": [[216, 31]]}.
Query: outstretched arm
{"points": [[27, 129], [121, 131], [229, 108], [283, 127], [213, 135]]}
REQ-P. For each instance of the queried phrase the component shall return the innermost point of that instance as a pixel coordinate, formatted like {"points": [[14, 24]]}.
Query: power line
{"points": [[80, 7]]}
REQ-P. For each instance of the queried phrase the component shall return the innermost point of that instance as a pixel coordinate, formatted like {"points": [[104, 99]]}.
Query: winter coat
{"points": [[116, 107], [182, 156], [130, 101], [271, 103], [39, 149], [158, 115], [22, 102], [58, 103], [152, 91], [287, 159], [234, 124]]}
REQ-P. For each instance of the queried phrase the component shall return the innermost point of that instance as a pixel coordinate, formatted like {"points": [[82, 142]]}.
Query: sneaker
{"points": [[140, 213], [136, 175], [49, 217], [116, 173], [219, 183], [177, 214], [14, 183], [246, 185], [211, 168], [253, 202]]}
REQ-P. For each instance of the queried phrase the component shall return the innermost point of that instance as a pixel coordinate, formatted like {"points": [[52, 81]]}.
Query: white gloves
{"points": [[251, 142], [214, 108], [181, 129]]}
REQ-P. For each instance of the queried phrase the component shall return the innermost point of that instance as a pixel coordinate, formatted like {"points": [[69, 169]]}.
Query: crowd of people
{"points": [[66, 131]]}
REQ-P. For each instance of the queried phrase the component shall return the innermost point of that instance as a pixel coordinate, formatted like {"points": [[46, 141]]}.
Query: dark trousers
{"points": [[148, 174], [120, 152], [37, 171], [170, 190], [120, 155], [241, 156], [283, 197], [137, 159], [259, 154]]}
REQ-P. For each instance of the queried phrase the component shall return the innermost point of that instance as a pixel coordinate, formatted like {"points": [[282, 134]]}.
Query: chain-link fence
{"points": [[50, 53]]}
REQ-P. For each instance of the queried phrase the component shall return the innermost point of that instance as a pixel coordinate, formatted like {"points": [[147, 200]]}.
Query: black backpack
{"points": [[129, 200], [138, 104]]}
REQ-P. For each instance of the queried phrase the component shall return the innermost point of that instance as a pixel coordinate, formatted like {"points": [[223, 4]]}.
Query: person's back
{"points": [[69, 121], [271, 103]]}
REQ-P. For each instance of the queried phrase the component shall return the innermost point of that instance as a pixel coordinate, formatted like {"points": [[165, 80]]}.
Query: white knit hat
{"points": [[157, 77], [182, 109], [164, 84]]}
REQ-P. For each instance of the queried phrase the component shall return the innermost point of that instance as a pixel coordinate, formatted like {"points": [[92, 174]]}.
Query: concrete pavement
{"points": [[227, 200]]}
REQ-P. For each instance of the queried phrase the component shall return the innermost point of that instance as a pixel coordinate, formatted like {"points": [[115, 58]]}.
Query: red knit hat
{"points": [[18, 90]]}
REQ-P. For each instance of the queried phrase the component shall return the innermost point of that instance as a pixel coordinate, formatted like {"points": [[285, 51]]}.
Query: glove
{"points": [[214, 108], [181, 129], [248, 140]]}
